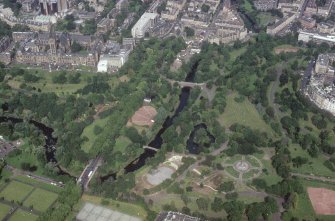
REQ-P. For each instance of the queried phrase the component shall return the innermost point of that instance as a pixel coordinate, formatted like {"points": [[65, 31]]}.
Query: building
{"points": [[49, 7], [146, 21], [280, 24], [321, 88], [326, 27], [105, 25], [115, 55], [175, 216], [122, 5], [307, 22], [265, 5], [315, 36]]}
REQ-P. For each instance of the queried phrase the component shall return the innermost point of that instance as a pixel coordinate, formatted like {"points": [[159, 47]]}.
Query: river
{"points": [[50, 141]]}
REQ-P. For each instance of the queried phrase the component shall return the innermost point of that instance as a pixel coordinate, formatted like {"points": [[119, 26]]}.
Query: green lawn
{"points": [[89, 133], [21, 215], [232, 171], [16, 191], [247, 6], [271, 176], [243, 113], [25, 157], [235, 53], [264, 18], [304, 209], [121, 143], [40, 199], [4, 209], [314, 166]]}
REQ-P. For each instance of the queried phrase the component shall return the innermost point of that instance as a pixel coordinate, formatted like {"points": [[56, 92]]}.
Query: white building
{"points": [[317, 37], [146, 21]]}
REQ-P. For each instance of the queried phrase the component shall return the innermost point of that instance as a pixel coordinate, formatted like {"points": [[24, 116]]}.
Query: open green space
{"points": [[4, 209], [232, 171], [121, 143], [265, 18], [252, 161], [40, 200], [89, 133], [315, 166], [16, 191], [21, 215], [24, 157], [243, 113]]}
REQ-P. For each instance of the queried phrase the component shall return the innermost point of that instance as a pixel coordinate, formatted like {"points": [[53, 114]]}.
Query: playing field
{"points": [[4, 209], [16, 191], [323, 200], [144, 116], [21, 215], [40, 199]]}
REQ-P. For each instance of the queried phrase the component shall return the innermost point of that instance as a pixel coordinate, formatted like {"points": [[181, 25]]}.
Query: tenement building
{"points": [[321, 89]]}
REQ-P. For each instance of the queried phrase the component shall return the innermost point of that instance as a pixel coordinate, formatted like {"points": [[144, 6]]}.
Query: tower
{"points": [[52, 40]]}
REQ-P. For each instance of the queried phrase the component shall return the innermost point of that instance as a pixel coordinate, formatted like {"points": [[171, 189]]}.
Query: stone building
{"points": [[265, 5]]}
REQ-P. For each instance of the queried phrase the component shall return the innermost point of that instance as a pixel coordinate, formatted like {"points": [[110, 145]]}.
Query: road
{"points": [[88, 172], [33, 176], [307, 75]]}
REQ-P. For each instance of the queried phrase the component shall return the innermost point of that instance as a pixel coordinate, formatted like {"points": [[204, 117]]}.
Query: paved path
{"points": [[324, 179], [33, 176]]}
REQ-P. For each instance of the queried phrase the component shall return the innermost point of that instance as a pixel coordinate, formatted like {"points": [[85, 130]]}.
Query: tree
{"points": [[76, 47], [202, 203], [205, 8], [189, 31], [226, 186], [217, 204], [59, 78], [234, 209], [89, 27]]}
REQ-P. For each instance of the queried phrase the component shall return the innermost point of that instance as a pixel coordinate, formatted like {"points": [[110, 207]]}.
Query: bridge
{"points": [[188, 84], [89, 172], [150, 148]]}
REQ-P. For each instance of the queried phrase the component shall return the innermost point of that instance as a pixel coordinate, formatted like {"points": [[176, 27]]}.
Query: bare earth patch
{"points": [[144, 116], [323, 200], [286, 50]]}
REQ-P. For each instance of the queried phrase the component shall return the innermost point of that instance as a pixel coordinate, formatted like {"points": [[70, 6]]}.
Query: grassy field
{"points": [[21, 215], [16, 191], [121, 143], [314, 166], [4, 209], [264, 18], [232, 171], [24, 157], [235, 53], [127, 208], [89, 133], [304, 209], [243, 113], [40, 199], [247, 6]]}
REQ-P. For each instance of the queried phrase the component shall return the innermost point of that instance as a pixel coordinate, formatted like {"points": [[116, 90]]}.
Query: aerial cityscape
{"points": [[167, 110]]}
